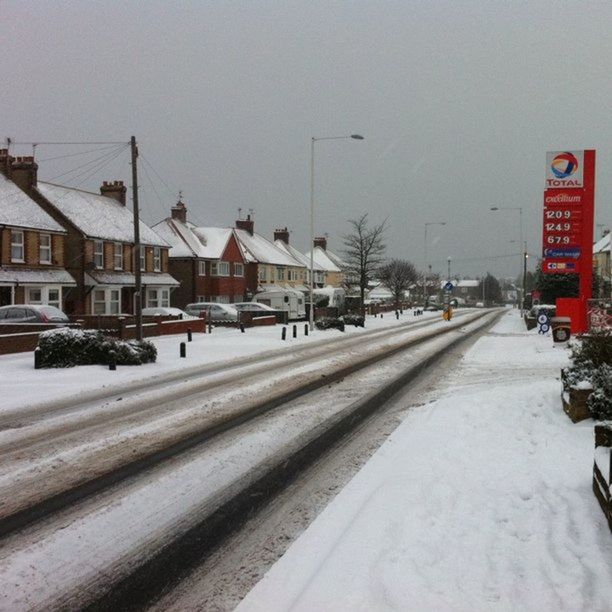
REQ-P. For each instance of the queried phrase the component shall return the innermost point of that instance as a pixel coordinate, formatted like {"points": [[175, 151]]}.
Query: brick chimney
{"points": [[246, 224], [179, 212], [115, 190], [24, 171], [321, 241], [282, 234]]}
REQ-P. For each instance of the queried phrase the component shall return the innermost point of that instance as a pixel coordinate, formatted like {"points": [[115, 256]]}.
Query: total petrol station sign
{"points": [[567, 224]]}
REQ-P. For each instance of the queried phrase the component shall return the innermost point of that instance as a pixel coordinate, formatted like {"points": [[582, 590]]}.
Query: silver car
{"points": [[214, 311]]}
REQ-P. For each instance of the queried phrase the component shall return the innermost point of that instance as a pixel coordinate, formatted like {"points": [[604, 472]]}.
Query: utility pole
{"points": [[449, 263], [137, 246], [524, 276]]}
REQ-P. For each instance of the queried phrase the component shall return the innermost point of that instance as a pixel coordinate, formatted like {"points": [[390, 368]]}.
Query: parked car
{"points": [[31, 313], [255, 308], [166, 311], [214, 311]]}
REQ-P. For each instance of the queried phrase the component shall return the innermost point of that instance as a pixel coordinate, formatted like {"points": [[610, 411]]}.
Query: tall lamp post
{"points": [[425, 296], [524, 254], [312, 202]]}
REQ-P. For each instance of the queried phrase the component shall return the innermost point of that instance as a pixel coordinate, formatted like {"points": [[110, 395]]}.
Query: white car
{"points": [[166, 311], [215, 311]]}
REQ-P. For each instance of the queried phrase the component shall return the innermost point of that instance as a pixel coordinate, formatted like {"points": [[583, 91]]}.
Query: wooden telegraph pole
{"points": [[137, 247]]}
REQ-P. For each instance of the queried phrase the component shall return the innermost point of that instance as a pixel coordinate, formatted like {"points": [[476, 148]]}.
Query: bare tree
{"points": [[364, 250], [397, 276]]}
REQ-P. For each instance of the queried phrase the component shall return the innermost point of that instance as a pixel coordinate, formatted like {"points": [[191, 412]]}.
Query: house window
{"points": [[202, 268], [34, 295], [45, 249], [280, 273], [118, 256], [263, 276], [158, 298], [106, 301], [220, 299], [17, 253], [54, 297], [201, 298], [156, 259], [143, 258], [238, 269], [219, 268], [99, 254], [44, 295]]}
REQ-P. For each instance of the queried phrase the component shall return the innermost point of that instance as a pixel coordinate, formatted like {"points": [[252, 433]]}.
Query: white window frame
{"points": [[32, 300], [157, 259], [158, 297], [143, 258], [17, 246], [45, 295], [118, 255], [280, 273], [98, 254], [263, 274], [239, 269], [44, 250], [201, 268], [111, 301], [219, 268]]}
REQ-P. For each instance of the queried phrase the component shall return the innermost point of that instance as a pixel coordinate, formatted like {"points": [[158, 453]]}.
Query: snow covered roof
{"points": [[602, 245], [97, 216], [36, 276], [293, 252], [103, 277], [264, 251], [188, 240], [328, 261], [17, 209]]}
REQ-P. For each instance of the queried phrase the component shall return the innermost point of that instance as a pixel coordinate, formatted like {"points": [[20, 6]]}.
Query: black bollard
{"points": [[401, 311], [381, 315], [183, 349], [295, 331], [112, 361], [306, 329], [210, 328], [189, 336], [397, 315], [37, 358], [242, 328], [284, 334]]}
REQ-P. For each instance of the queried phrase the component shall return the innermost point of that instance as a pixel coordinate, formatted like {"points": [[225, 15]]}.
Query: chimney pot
{"points": [[321, 241], [115, 190], [246, 224], [282, 234], [179, 212]]}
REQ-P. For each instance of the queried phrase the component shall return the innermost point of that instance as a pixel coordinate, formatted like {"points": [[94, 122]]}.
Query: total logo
{"points": [[564, 169]]}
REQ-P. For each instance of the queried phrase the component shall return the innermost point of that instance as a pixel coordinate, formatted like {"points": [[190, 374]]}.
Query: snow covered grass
{"points": [[480, 500], [22, 386]]}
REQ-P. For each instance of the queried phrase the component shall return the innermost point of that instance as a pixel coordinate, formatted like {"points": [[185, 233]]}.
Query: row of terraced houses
{"points": [[75, 249]]}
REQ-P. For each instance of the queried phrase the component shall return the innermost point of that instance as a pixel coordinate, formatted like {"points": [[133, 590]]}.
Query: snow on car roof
{"points": [[97, 216], [17, 209]]}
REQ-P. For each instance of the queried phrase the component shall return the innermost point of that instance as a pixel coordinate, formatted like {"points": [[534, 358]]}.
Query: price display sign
{"points": [[567, 213]]}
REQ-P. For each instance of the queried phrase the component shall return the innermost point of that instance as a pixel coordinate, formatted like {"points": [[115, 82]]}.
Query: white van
{"points": [[336, 296], [287, 300]]}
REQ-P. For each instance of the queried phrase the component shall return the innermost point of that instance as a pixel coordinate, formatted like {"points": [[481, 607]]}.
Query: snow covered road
{"points": [[480, 500]]}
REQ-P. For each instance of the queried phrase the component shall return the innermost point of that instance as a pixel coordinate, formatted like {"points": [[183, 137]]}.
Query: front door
{"points": [[6, 298]]}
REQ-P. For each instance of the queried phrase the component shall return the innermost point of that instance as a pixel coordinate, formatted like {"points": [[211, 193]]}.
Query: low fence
{"points": [[22, 338], [602, 469]]}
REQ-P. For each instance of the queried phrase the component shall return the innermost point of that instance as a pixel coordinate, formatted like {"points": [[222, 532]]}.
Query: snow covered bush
{"points": [[329, 323], [354, 319], [600, 400], [66, 347], [588, 354]]}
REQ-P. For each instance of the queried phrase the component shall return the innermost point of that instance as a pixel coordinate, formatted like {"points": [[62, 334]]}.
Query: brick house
{"points": [[32, 245], [332, 264], [276, 267], [99, 247], [208, 261], [281, 241]]}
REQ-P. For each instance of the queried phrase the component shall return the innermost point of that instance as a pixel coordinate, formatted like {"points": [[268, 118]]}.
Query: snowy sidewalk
{"points": [[480, 500]]}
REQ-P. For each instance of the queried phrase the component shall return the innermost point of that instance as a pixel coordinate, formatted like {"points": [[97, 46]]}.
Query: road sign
{"points": [[449, 286]]}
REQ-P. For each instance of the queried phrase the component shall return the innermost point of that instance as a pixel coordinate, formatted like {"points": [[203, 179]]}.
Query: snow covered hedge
{"points": [[592, 368], [354, 319], [329, 323], [66, 347]]}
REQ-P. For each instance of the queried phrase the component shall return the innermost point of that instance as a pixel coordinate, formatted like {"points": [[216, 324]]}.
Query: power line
{"points": [[85, 142], [172, 193], [74, 154], [90, 162]]}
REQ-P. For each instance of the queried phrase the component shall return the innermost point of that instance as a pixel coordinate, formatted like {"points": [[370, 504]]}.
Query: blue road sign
{"points": [[449, 286]]}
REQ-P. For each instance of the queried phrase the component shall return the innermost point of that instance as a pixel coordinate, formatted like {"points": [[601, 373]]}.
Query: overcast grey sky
{"points": [[458, 102]]}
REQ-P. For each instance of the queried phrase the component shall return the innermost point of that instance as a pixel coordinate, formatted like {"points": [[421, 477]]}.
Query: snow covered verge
{"points": [[23, 386], [480, 500]]}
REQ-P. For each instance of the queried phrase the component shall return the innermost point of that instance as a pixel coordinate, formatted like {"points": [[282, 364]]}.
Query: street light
{"points": [[425, 296], [312, 150], [524, 254]]}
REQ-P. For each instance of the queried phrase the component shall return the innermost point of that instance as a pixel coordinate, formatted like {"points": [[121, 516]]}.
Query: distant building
{"points": [[330, 262], [601, 262], [281, 240], [209, 262]]}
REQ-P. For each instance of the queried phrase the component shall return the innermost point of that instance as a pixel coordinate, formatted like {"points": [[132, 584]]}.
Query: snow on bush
{"points": [[600, 401], [66, 347], [329, 323], [354, 319]]}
